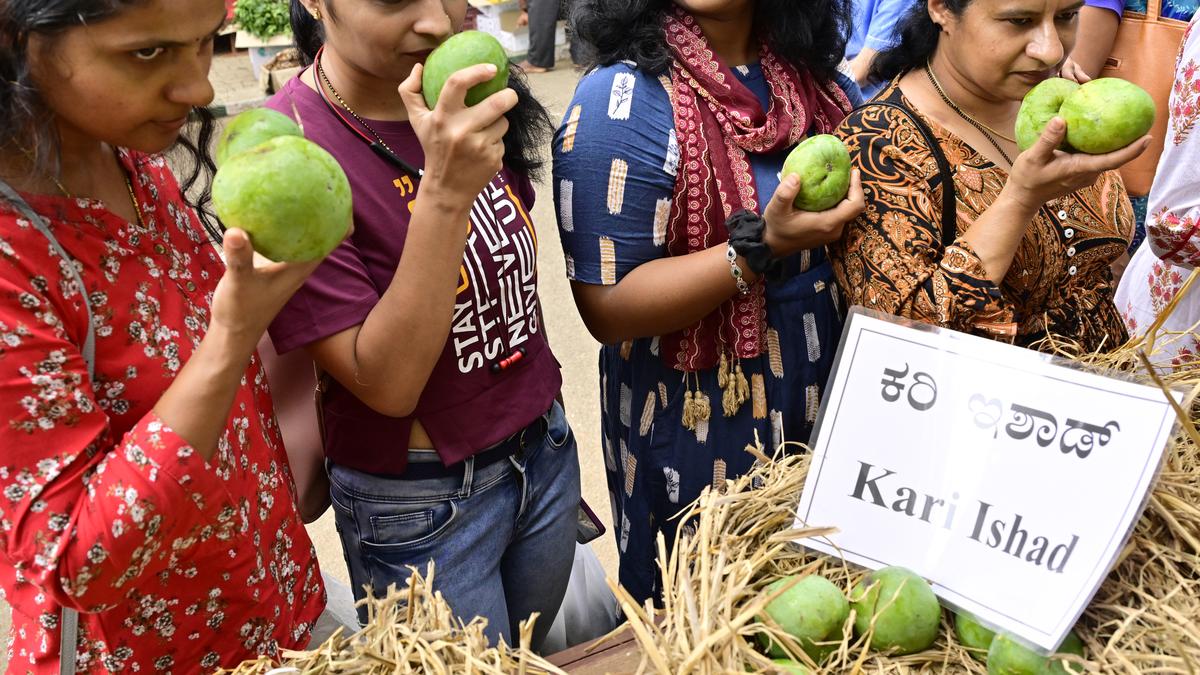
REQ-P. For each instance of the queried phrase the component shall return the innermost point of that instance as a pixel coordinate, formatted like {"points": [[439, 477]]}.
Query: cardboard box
{"points": [[244, 40], [279, 77], [503, 21], [517, 41]]}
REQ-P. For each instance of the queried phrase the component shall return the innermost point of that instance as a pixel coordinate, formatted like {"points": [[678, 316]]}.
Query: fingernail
{"points": [[1055, 124], [491, 67], [792, 180]]}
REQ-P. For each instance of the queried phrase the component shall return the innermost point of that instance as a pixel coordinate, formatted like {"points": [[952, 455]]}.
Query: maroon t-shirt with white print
{"points": [[465, 407]]}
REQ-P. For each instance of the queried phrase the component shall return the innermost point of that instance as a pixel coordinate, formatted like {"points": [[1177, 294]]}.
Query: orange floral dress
{"points": [[891, 259]]}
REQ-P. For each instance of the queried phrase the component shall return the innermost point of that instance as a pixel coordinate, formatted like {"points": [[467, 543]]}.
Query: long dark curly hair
{"points": [[529, 124], [28, 125], [813, 36]]}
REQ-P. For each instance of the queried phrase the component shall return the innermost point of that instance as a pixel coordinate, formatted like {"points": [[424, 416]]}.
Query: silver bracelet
{"points": [[732, 256]]}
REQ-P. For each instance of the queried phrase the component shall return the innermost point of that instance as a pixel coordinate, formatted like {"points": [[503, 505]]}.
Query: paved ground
{"points": [[236, 90]]}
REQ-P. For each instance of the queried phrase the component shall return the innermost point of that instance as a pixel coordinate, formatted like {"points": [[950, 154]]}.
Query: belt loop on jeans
{"points": [[468, 477]]}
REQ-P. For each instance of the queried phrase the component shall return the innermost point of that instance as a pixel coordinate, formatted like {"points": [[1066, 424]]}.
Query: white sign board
{"points": [[1008, 481]]}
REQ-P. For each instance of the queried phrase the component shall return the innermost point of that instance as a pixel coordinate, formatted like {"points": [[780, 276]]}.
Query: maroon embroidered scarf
{"points": [[717, 122]]}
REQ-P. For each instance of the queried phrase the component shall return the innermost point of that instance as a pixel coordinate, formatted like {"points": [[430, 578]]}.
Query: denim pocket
{"points": [[400, 528], [558, 430]]}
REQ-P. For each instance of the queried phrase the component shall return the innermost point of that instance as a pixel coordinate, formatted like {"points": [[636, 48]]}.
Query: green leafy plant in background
{"points": [[264, 19]]}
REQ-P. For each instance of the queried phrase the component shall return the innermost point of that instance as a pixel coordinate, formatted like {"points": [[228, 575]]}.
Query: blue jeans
{"points": [[502, 537]]}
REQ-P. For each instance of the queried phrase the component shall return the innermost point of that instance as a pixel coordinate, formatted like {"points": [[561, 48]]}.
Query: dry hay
{"points": [[1144, 619], [411, 630]]}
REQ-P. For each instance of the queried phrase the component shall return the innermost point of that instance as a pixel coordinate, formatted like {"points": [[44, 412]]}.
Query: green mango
{"points": [[811, 611], [790, 667], [464, 50], [1039, 106], [823, 165], [250, 128], [904, 608], [1009, 657], [972, 635], [1107, 114], [289, 195]]}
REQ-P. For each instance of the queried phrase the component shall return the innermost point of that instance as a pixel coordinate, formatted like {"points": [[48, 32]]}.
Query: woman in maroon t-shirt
{"points": [[442, 433]]}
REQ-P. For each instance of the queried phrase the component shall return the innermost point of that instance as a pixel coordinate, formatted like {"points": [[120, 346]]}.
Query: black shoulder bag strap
{"points": [[949, 225], [69, 623]]}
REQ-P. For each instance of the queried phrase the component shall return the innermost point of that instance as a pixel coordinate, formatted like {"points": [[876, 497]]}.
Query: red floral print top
{"points": [[177, 564]]}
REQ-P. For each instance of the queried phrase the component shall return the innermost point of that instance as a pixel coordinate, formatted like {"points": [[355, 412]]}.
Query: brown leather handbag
{"points": [[1144, 53]]}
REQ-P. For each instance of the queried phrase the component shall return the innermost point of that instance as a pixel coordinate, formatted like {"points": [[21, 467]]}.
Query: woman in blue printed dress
{"points": [[710, 292]]}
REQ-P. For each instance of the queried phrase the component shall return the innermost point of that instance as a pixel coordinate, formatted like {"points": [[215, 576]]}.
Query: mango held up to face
{"points": [[823, 165], [1102, 115], [811, 611], [1040, 106], [1107, 114], [463, 50], [903, 607], [1008, 657], [250, 128], [289, 195]]}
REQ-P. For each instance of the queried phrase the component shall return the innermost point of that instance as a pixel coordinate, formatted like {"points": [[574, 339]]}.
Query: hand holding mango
{"points": [[818, 194], [1061, 126], [823, 165], [460, 51], [288, 194], [1102, 115]]}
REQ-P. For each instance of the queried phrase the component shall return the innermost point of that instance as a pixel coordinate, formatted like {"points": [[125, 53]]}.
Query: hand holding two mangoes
{"points": [[1069, 134]]}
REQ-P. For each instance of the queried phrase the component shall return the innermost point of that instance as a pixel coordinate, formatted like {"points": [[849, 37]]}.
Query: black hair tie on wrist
{"points": [[746, 230]]}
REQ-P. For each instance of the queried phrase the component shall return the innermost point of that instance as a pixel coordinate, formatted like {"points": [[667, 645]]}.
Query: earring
{"points": [[316, 13]]}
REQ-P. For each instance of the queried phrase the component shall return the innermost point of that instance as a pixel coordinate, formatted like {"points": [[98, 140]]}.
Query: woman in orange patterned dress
{"points": [[1027, 250]]}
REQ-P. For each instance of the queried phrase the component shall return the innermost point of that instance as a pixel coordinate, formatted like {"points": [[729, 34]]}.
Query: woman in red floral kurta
{"points": [[154, 497]]}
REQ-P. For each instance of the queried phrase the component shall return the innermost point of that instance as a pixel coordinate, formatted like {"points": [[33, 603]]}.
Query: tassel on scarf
{"points": [[736, 390], [703, 407], [689, 411]]}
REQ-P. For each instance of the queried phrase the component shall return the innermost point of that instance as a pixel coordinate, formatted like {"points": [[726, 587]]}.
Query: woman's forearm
{"points": [[997, 233], [387, 360], [1096, 34], [660, 296], [197, 405]]}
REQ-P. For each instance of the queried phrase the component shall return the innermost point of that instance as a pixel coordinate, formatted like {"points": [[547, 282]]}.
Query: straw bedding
{"points": [[739, 538]]}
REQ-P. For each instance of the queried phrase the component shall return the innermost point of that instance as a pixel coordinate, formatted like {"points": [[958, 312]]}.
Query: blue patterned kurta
{"points": [[615, 160]]}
